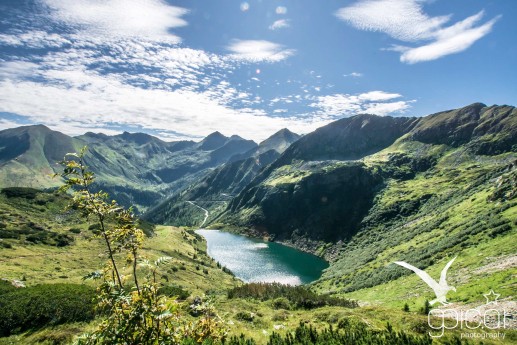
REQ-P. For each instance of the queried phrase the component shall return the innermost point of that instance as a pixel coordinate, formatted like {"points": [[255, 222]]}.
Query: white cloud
{"points": [[401, 19], [90, 101], [354, 75], [281, 10], [387, 108], [5, 124], [280, 24], [378, 96], [35, 39], [447, 44], [17, 69], [373, 102], [406, 21], [245, 6], [258, 50], [150, 19]]}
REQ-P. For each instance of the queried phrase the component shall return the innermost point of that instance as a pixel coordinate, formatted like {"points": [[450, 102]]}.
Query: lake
{"points": [[254, 260]]}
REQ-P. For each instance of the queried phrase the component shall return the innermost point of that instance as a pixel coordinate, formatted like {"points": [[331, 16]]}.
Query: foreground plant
{"points": [[134, 312]]}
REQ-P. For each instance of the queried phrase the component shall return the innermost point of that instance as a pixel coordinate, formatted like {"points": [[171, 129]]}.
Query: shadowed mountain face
{"points": [[328, 186], [136, 168], [223, 182], [349, 138]]}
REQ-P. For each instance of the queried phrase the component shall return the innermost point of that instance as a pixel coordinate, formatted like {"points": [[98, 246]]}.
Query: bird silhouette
{"points": [[440, 288]]}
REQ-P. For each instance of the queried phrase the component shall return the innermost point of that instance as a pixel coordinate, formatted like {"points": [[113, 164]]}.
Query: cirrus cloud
{"points": [[405, 20], [280, 24]]}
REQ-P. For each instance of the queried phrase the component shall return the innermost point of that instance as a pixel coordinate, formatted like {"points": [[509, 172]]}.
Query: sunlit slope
{"points": [[41, 242], [445, 187]]}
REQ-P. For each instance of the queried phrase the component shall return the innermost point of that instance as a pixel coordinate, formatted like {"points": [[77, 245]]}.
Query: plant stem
{"points": [[101, 221], [134, 270]]}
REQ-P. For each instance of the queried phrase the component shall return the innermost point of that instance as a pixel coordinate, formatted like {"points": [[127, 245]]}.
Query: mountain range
{"points": [[136, 168], [361, 192]]}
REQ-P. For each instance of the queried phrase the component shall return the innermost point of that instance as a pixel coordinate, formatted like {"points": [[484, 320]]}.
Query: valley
{"points": [[361, 193]]}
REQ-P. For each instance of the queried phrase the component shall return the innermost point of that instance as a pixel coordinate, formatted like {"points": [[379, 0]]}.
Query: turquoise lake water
{"points": [[254, 260]]}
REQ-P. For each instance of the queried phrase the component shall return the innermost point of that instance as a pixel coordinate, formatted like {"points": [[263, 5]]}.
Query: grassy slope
{"points": [[427, 219], [456, 219], [40, 263], [48, 264]]}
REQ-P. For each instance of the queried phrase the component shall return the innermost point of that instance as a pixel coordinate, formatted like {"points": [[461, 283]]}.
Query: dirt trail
{"points": [[204, 210]]}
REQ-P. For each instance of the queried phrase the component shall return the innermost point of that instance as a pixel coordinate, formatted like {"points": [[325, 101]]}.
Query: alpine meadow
{"points": [[258, 172]]}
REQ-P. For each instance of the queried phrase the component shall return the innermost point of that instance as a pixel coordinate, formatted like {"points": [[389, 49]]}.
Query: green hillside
{"points": [[136, 168], [216, 189], [362, 192], [445, 187]]}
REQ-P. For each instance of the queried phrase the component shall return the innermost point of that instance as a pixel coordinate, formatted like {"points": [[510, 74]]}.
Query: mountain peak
{"points": [[284, 132], [213, 141], [236, 137], [279, 141], [215, 134], [139, 138], [91, 136]]}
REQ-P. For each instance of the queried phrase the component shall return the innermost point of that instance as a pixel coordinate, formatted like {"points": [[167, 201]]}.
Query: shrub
{"points": [[298, 296], [281, 303], [173, 291], [33, 307], [75, 230], [245, 316], [405, 308], [147, 227], [5, 245], [20, 192], [5, 287], [135, 314], [282, 315], [351, 334]]}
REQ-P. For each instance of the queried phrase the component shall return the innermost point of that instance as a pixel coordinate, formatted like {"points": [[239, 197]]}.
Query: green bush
{"points": [[33, 307], [36, 236], [174, 291], [6, 287], [245, 316], [298, 296], [20, 192], [5, 245], [281, 303], [307, 335], [75, 230], [147, 227]]}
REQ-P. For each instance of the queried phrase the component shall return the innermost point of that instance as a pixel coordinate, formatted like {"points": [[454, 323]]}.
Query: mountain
{"points": [[407, 189], [136, 168], [28, 155], [220, 185], [313, 186]]}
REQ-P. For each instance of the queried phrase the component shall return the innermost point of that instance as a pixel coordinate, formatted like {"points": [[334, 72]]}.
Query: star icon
{"points": [[491, 297]]}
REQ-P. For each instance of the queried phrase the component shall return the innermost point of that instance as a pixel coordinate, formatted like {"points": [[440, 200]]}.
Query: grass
{"points": [[456, 220]]}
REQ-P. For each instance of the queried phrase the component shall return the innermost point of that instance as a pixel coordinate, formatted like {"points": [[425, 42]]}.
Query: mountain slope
{"points": [[28, 155], [136, 168], [224, 182], [445, 186]]}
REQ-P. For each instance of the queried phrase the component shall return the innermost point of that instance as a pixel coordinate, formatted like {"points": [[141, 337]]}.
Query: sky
{"points": [[184, 69]]}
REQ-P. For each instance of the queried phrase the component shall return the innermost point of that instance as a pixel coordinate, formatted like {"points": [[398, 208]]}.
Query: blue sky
{"points": [[183, 69]]}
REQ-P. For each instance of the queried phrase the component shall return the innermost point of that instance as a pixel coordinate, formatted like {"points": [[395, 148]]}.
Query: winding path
{"points": [[204, 210]]}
